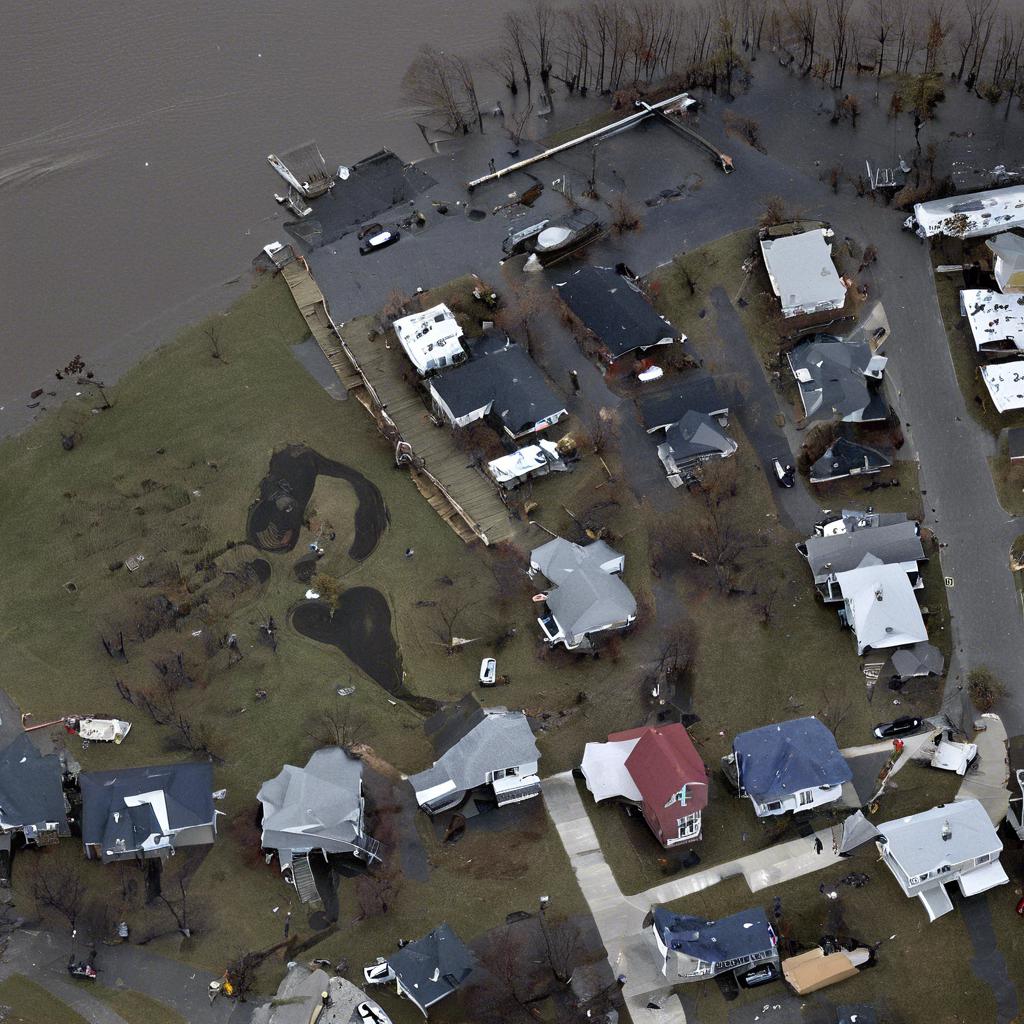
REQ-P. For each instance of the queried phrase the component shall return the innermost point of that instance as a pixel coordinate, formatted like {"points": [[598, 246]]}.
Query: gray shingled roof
{"points": [[836, 384], [316, 807], [106, 818], [844, 457], [613, 309], [432, 967], [506, 376], [900, 542], [471, 741], [30, 787], [695, 437], [916, 842], [584, 597], [728, 938], [697, 391], [775, 761]]}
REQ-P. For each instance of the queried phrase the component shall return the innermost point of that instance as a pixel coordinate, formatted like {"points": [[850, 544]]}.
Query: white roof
{"points": [[982, 879], [994, 317], [802, 272], [881, 606], [967, 216], [429, 336], [1005, 383], [519, 463], [604, 768]]}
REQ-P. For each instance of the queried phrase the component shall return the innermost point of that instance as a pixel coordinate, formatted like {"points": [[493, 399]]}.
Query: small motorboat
{"points": [[565, 234], [488, 672], [378, 973], [381, 240], [371, 1013], [100, 730]]}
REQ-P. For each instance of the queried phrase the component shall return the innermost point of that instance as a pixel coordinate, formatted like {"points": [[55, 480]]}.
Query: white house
{"points": [[879, 605], [968, 216], [950, 843], [1008, 264], [996, 321], [789, 766], [431, 339], [801, 271]]}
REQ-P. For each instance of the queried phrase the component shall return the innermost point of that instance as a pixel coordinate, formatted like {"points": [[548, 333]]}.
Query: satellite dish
{"points": [[343, 172]]}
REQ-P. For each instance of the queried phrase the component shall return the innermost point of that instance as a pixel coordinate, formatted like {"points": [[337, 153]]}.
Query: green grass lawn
{"points": [[136, 1008], [30, 1003], [1009, 481]]}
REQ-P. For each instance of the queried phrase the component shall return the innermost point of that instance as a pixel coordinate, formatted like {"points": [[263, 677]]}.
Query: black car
{"points": [[381, 240], [783, 473], [900, 727], [758, 976]]}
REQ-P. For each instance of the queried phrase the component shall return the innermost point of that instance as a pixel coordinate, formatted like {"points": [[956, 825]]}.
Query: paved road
{"points": [[43, 957]]}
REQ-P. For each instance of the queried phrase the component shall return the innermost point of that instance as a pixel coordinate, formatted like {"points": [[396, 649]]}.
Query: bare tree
{"points": [[179, 908], [516, 32], [838, 14], [212, 331], [432, 82], [973, 38], [505, 958], [936, 31], [58, 886], [464, 76], [78, 369], [541, 24], [502, 61], [522, 310], [564, 944], [449, 611], [882, 18], [1008, 70], [337, 725], [517, 123]]}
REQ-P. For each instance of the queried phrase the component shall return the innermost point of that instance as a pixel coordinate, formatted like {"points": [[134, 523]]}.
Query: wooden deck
{"points": [[460, 493]]}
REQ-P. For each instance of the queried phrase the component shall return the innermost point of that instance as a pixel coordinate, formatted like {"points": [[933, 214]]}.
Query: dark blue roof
{"points": [[776, 761], [729, 938], [31, 792], [432, 967]]}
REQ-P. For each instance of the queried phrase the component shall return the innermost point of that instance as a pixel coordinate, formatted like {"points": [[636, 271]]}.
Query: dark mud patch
{"points": [[360, 627], [305, 568], [276, 517], [260, 568]]}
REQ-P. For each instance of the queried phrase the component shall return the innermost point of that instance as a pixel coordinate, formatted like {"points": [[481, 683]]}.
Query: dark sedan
{"points": [[900, 727], [381, 240]]}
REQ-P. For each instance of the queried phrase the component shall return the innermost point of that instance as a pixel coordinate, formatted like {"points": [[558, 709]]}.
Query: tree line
{"points": [[616, 46]]}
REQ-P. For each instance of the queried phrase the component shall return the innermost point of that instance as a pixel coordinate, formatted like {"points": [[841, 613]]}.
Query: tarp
{"points": [[604, 768], [812, 970], [857, 831]]}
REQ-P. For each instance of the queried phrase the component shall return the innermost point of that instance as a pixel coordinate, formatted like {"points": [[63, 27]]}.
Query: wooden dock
{"points": [[457, 490]]}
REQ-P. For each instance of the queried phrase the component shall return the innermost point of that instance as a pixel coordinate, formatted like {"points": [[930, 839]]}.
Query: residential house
{"points": [[587, 596], [658, 769], [1005, 383], [431, 339], [879, 606], [299, 1000], [1008, 264], [432, 968], [615, 312], [509, 471], [1015, 445], [850, 520], [32, 801], [789, 766], [478, 748], [954, 842], [838, 378], [317, 808], [895, 544], [1015, 808], [695, 439], [140, 813], [500, 381], [996, 321], [800, 268], [970, 216], [845, 458], [694, 949], [697, 391]]}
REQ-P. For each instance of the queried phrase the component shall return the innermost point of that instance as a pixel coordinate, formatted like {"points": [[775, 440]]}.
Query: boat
{"points": [[381, 240], [566, 234], [100, 730]]}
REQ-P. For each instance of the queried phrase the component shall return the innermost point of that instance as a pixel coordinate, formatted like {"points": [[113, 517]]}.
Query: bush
{"points": [[986, 689]]}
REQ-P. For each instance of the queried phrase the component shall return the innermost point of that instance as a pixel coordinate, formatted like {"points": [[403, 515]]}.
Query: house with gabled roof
{"points": [[141, 813], [880, 606], [318, 808], [845, 458], [789, 766], [587, 595], [432, 968], [954, 842], [491, 749], [655, 768], [695, 439], [32, 800], [838, 378], [692, 948]]}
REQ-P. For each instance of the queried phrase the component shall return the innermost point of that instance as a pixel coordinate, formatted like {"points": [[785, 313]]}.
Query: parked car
{"points": [[378, 973], [488, 672], [372, 1014], [784, 473], [381, 240], [758, 976], [903, 726]]}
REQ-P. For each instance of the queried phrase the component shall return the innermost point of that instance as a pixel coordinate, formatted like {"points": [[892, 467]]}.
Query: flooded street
{"points": [[134, 185]]}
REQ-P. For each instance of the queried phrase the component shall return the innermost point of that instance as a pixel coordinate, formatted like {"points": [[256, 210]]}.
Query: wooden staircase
{"points": [[302, 878]]}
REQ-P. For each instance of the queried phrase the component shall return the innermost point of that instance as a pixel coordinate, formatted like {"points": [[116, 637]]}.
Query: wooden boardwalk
{"points": [[459, 492]]}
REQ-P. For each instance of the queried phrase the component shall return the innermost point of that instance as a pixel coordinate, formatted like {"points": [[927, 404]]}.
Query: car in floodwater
{"points": [[379, 241]]}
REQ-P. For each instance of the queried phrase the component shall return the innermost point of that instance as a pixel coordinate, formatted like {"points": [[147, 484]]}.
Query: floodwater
{"points": [[134, 185]]}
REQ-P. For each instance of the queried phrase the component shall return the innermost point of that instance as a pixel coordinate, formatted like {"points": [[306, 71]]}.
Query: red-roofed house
{"points": [[658, 769]]}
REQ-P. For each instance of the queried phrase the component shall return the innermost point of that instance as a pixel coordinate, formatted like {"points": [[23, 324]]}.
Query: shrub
{"points": [[985, 688]]}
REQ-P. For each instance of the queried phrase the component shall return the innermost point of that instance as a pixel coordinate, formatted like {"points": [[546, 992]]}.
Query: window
{"points": [[689, 825], [500, 773], [983, 859], [775, 805], [805, 797]]}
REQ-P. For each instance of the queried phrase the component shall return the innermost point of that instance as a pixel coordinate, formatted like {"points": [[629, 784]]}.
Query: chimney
{"points": [[878, 594], [947, 832]]}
